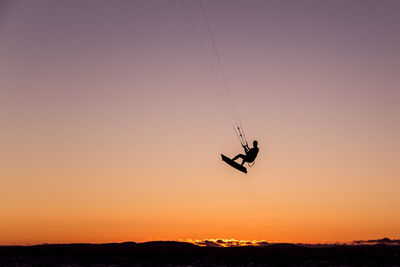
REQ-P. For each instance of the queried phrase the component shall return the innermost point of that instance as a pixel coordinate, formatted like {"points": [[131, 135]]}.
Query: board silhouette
{"points": [[234, 164]]}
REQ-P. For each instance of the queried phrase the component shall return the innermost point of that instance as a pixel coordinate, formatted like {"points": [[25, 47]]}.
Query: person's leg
{"points": [[238, 156]]}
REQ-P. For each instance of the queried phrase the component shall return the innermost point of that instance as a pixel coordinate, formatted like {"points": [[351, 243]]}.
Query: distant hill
{"points": [[172, 253]]}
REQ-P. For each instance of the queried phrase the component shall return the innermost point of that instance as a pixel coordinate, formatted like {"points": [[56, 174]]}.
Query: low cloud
{"points": [[207, 243], [220, 242], [384, 241], [229, 243]]}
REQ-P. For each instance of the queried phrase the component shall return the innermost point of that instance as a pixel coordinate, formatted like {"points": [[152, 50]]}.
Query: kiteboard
{"points": [[234, 164]]}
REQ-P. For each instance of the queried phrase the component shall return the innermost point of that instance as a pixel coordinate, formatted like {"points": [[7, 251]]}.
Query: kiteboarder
{"points": [[218, 80], [251, 153]]}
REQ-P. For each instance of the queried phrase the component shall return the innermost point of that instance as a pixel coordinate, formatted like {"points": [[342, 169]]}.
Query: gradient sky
{"points": [[110, 131]]}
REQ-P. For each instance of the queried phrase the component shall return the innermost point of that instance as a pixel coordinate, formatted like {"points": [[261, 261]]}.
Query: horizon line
{"points": [[221, 242]]}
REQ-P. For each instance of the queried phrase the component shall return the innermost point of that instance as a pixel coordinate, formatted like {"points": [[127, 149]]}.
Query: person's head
{"points": [[255, 143]]}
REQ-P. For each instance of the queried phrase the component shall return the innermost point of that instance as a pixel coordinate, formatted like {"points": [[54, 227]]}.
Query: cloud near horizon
{"points": [[220, 242], [385, 241]]}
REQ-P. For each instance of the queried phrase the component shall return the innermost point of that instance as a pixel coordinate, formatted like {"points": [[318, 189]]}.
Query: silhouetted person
{"points": [[251, 153]]}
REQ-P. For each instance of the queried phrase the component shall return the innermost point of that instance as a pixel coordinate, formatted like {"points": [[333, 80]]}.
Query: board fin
{"points": [[234, 164]]}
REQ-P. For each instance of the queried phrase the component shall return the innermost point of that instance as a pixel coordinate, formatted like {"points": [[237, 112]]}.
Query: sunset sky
{"points": [[110, 130]]}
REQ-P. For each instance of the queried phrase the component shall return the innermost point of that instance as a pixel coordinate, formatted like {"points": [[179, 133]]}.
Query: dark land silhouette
{"points": [[171, 253]]}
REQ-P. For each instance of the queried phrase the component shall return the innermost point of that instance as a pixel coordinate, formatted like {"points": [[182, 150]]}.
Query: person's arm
{"points": [[246, 148]]}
